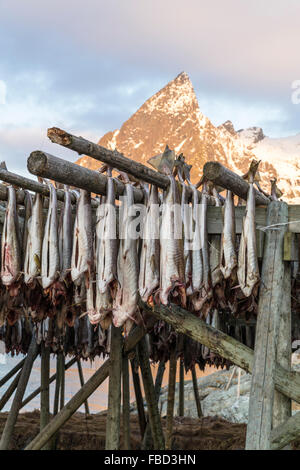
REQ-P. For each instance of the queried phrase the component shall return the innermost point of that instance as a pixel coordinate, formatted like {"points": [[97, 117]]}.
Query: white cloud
{"points": [[3, 91]]}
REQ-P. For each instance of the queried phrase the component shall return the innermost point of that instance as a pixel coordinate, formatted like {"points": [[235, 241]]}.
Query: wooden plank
{"points": [[287, 382], [114, 391], [286, 432], [171, 399], [268, 317]]}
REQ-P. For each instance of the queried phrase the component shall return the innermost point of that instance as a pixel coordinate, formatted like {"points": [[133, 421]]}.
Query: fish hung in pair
{"points": [[125, 301], [197, 261], [50, 251], [248, 269], [149, 258], [11, 245], [65, 236], [228, 252], [187, 221], [32, 262], [172, 276]]}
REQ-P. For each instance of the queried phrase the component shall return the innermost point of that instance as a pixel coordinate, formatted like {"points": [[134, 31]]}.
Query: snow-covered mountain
{"points": [[172, 116]]}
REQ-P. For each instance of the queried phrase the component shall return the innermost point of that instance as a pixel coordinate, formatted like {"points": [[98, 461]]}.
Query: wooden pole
{"points": [[81, 378], [181, 389], [114, 391], [57, 386], [227, 179], [138, 397], [267, 326], [38, 390], [45, 368], [147, 440], [196, 393], [62, 380], [126, 403], [15, 407], [286, 382], [12, 372], [47, 166], [171, 399], [8, 393], [152, 405], [287, 432]]}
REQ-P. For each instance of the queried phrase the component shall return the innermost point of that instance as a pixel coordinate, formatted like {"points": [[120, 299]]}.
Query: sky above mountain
{"points": [[87, 66]]}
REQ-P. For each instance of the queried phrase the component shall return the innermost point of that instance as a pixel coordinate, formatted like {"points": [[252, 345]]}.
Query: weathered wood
{"points": [[291, 245], [81, 378], [16, 404], [12, 372], [287, 382], [227, 179], [76, 401], [282, 406], [152, 405], [10, 390], [147, 440], [114, 391], [181, 389], [46, 165], [45, 368], [286, 432], [52, 378], [138, 397], [126, 403], [62, 379], [136, 334], [171, 399], [267, 326], [196, 393]]}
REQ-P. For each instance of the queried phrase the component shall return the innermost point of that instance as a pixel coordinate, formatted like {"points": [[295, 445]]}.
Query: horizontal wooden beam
{"points": [[186, 323], [227, 179], [286, 433], [65, 172]]}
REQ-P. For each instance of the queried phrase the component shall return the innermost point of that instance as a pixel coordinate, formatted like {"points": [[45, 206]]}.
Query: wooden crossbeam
{"points": [[286, 432]]}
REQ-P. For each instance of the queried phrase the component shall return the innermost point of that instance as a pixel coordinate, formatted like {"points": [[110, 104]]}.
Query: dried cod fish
{"points": [[228, 253], [32, 263], [65, 235], [50, 251]]}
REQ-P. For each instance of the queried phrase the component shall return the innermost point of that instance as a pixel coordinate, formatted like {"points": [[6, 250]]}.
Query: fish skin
{"points": [[125, 301], [28, 213], [228, 252], [66, 236], [10, 244], [50, 250], [248, 270], [197, 261], [172, 274], [149, 258], [34, 241], [187, 220], [82, 251]]}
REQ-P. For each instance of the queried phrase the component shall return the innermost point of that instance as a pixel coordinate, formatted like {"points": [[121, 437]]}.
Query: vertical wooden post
{"points": [[171, 399], [17, 401], [269, 309], [152, 405], [56, 395], [282, 407], [126, 403], [44, 397], [147, 440], [62, 379], [138, 397], [181, 389], [196, 393], [114, 391], [80, 372]]}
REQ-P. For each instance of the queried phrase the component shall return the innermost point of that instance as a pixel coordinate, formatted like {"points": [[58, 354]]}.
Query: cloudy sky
{"points": [[87, 66]]}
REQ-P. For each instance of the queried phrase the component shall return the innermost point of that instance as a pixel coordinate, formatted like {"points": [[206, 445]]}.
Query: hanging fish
{"points": [[50, 251], [248, 270], [66, 236], [197, 261], [32, 262], [228, 253], [26, 229], [10, 244], [171, 247], [125, 302], [149, 258], [187, 221]]}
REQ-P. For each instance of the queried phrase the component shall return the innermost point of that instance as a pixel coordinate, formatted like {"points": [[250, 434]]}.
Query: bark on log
{"points": [[152, 405], [171, 399], [196, 393], [227, 179], [12, 372], [17, 401], [286, 432], [114, 391], [81, 378], [46, 165], [138, 397], [286, 382], [267, 327], [8, 393], [126, 403]]}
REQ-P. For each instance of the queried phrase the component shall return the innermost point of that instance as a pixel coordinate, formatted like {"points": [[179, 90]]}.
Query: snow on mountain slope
{"points": [[172, 116]]}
